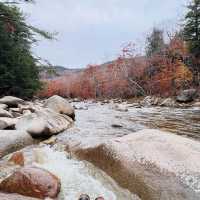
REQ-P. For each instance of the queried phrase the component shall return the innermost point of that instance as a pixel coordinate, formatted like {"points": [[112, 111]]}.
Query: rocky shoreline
{"points": [[152, 164]]}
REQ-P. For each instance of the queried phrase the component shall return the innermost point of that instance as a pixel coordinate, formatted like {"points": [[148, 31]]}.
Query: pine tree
{"points": [[192, 27], [19, 73], [155, 42]]}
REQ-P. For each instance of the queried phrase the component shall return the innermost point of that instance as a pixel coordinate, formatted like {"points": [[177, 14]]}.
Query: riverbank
{"points": [[116, 129]]}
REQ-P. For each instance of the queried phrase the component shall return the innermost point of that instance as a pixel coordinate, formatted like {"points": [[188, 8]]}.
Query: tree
{"points": [[192, 27], [19, 73], [155, 42]]}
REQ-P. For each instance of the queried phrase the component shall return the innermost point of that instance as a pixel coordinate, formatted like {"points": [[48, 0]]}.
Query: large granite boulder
{"points": [[11, 101], [44, 123], [12, 140], [187, 96], [4, 196], [33, 182], [153, 164], [60, 105]]}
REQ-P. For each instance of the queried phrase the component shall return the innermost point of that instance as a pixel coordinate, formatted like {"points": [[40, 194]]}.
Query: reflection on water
{"points": [[180, 121]]}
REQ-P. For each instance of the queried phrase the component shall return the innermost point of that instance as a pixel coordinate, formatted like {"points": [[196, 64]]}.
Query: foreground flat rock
{"points": [[33, 182], [44, 123], [11, 101], [60, 105], [153, 164], [12, 140], [4, 196]]}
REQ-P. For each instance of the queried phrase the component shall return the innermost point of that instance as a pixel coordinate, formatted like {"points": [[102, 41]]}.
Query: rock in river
{"points": [[12, 140], [187, 96], [11, 101], [33, 182], [60, 105], [153, 164], [5, 113], [44, 123]]}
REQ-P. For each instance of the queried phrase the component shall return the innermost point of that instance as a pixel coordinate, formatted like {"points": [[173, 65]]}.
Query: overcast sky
{"points": [[92, 31]]}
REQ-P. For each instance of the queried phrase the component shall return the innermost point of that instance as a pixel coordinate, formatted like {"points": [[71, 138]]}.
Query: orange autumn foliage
{"points": [[129, 75]]}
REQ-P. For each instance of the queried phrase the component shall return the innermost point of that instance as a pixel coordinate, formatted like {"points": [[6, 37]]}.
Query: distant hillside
{"points": [[53, 72]]}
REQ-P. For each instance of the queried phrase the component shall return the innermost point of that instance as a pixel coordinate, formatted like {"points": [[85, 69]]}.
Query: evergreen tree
{"points": [[155, 42], [19, 74], [192, 27]]}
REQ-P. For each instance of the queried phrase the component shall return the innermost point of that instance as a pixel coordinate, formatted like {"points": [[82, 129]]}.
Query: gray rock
{"points": [[187, 96], [44, 123], [60, 105], [5, 113], [3, 106], [12, 140], [11, 101]]}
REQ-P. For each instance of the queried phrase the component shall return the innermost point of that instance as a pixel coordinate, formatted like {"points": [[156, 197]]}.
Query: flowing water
{"points": [[79, 177], [99, 121]]}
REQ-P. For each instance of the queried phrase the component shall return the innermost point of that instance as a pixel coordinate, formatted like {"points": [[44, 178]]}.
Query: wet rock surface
{"points": [[32, 181]]}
